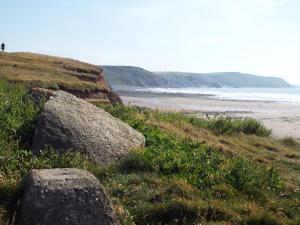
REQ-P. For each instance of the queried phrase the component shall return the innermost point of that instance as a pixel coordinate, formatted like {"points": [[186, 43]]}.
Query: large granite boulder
{"points": [[64, 196], [68, 122]]}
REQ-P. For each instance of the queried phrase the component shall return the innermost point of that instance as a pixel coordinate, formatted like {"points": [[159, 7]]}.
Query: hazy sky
{"points": [[253, 36]]}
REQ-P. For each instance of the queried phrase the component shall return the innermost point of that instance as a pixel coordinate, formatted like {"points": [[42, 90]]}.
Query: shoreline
{"points": [[146, 94], [282, 118]]}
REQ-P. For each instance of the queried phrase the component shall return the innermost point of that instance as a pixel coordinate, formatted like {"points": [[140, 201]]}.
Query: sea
{"points": [[281, 95]]}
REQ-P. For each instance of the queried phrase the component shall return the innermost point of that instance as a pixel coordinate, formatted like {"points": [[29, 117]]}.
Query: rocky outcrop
{"points": [[71, 123], [64, 196]]}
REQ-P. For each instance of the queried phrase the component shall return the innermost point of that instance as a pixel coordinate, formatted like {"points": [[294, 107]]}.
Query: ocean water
{"points": [[282, 95]]}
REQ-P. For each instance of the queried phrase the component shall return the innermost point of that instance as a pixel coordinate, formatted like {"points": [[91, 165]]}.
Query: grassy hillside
{"points": [[35, 70], [192, 170]]}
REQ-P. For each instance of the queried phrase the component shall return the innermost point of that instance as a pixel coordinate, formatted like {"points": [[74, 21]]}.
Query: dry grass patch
{"points": [[48, 72]]}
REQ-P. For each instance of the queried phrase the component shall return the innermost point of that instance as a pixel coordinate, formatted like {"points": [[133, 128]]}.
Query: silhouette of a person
{"points": [[2, 47]]}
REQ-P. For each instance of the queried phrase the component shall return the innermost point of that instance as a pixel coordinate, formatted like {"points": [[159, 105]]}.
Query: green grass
{"points": [[213, 176], [201, 165], [18, 113], [182, 176]]}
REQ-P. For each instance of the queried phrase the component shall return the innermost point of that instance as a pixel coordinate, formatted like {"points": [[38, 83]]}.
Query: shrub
{"points": [[133, 162], [244, 175], [229, 126], [289, 141], [173, 212], [264, 219], [252, 126]]}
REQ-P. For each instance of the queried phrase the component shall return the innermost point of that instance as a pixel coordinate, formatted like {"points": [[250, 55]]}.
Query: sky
{"points": [[252, 36]]}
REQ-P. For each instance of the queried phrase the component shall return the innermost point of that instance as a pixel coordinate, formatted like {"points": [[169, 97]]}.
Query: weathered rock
{"points": [[71, 123], [64, 196]]}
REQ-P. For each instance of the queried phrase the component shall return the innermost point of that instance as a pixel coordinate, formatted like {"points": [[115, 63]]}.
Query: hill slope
{"points": [[134, 76], [35, 70], [193, 170]]}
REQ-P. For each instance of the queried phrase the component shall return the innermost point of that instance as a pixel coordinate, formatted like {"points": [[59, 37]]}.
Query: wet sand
{"points": [[282, 118]]}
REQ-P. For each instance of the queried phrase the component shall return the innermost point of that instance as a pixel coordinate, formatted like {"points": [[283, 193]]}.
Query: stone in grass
{"points": [[64, 197], [68, 123]]}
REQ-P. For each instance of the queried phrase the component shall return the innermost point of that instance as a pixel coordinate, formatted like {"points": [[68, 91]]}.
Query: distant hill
{"points": [[134, 76], [42, 71], [225, 79]]}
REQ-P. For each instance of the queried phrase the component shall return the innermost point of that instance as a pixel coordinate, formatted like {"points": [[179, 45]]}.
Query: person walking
{"points": [[2, 47]]}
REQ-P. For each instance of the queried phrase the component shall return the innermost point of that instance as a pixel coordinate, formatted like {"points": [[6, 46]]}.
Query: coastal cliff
{"points": [[41, 71], [138, 77]]}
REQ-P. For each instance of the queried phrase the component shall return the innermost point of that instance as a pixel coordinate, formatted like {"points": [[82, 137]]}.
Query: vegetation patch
{"points": [[176, 179], [229, 126], [289, 141]]}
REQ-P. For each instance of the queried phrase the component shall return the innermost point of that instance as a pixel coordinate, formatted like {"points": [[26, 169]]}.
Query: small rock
{"points": [[64, 197]]}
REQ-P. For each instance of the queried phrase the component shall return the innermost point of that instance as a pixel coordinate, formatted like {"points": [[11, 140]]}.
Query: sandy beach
{"points": [[282, 118]]}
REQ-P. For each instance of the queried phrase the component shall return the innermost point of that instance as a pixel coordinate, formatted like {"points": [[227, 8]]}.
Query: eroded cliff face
{"points": [[103, 93], [96, 95], [54, 73]]}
